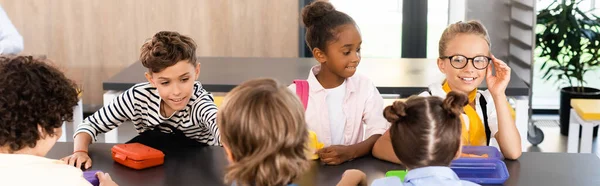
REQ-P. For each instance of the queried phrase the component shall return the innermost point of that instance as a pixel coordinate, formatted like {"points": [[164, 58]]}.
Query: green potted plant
{"points": [[568, 40]]}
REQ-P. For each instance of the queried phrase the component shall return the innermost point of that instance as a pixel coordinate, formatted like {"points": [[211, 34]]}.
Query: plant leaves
{"points": [[589, 34], [568, 40]]}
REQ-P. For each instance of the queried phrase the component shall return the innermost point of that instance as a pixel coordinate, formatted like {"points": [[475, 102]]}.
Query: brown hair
{"points": [[262, 123], [426, 131], [32, 94], [469, 27], [165, 49], [321, 20]]}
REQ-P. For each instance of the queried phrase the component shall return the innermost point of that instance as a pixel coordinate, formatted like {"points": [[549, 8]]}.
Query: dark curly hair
{"points": [[32, 93], [165, 49]]}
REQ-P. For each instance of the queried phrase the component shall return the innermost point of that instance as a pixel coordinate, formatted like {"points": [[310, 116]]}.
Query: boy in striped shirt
{"points": [[171, 110]]}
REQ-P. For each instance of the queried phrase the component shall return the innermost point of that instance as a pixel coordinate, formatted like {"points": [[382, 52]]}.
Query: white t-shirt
{"points": [[337, 119], [23, 169]]}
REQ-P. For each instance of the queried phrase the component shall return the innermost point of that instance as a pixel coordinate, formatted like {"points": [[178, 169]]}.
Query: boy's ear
{"points": [[319, 55], [149, 78], [197, 71], [41, 131]]}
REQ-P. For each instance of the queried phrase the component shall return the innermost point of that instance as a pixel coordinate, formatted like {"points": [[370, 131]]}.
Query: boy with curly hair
{"points": [[35, 100]]}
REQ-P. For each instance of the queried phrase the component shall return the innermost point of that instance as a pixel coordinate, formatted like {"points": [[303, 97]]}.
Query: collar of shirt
{"points": [[438, 172], [316, 87]]}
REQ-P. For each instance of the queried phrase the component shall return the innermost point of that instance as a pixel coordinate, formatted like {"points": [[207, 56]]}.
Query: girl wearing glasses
{"points": [[466, 60]]}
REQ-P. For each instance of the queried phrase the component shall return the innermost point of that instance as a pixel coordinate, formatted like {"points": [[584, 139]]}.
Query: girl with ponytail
{"points": [[426, 137]]}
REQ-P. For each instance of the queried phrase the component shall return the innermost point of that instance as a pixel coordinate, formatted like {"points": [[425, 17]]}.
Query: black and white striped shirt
{"points": [[141, 105]]}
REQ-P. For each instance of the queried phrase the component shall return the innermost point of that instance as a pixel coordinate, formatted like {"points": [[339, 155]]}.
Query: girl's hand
{"points": [[497, 84]]}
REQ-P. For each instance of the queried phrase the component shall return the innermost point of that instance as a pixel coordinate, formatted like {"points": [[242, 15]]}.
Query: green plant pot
{"points": [[566, 94]]}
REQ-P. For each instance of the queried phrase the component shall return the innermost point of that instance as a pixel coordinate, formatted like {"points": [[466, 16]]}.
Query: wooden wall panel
{"points": [[91, 40]]}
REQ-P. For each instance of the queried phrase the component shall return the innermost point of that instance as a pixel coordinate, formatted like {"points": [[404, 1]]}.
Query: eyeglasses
{"points": [[460, 61]]}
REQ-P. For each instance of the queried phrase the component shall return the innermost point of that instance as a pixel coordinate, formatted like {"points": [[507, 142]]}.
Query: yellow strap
{"points": [[218, 100], [512, 111]]}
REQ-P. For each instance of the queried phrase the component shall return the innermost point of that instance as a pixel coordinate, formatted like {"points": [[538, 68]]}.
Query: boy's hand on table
{"points": [[353, 177], [105, 179], [79, 160]]}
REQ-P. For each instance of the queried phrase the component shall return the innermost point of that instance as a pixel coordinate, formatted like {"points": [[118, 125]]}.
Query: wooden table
{"points": [[206, 165]]}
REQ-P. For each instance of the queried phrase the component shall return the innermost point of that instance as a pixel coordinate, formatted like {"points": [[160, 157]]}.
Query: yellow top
{"points": [[313, 145], [218, 100], [587, 109]]}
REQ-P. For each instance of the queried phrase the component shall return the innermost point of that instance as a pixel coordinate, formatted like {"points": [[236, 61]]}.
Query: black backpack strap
{"points": [[483, 105]]}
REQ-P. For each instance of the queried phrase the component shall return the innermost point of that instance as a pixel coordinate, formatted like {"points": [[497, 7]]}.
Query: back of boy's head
{"points": [[165, 49], [426, 131], [469, 27], [262, 123], [321, 21], [32, 93]]}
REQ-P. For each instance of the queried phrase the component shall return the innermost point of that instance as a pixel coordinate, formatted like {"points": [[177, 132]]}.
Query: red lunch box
{"points": [[137, 156]]}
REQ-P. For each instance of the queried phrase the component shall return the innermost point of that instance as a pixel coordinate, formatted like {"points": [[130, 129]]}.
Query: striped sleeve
{"points": [[205, 114], [108, 117]]}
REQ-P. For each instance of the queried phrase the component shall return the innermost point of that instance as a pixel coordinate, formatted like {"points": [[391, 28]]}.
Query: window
{"points": [[380, 24], [437, 21]]}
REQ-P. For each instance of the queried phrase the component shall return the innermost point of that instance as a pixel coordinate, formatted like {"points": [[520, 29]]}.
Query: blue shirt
{"points": [[425, 176]]}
